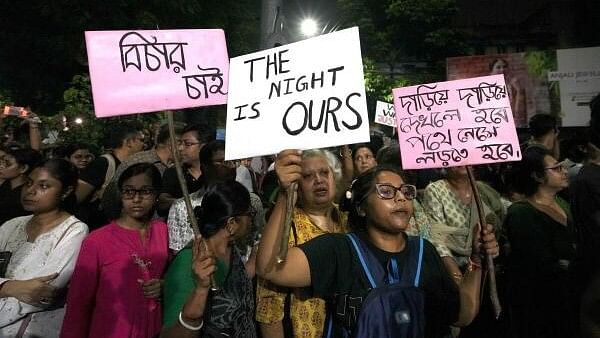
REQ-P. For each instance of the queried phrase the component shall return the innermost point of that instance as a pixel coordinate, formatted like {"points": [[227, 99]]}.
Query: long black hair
{"points": [[221, 201]]}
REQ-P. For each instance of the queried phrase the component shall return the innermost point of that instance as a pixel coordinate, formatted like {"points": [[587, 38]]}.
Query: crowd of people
{"points": [[101, 245]]}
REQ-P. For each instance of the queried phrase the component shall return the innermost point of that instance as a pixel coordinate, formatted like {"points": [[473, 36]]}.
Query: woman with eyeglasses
{"points": [[191, 308], [116, 287], [329, 264], [542, 245]]}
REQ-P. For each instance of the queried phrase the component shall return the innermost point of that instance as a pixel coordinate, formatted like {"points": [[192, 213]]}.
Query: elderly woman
{"points": [[44, 248], [542, 241], [315, 215], [332, 264]]}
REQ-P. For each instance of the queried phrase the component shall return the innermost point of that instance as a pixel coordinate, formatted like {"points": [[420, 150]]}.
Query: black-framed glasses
{"points": [[387, 191], [129, 193]]}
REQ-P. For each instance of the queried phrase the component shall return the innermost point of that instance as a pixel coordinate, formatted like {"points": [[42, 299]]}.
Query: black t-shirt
{"points": [[334, 271], [171, 184], [10, 202], [95, 173], [585, 205]]}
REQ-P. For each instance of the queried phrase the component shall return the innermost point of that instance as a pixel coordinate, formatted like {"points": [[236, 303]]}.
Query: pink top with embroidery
{"points": [[105, 298]]}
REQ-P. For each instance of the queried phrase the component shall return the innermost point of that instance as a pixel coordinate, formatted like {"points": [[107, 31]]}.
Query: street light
{"points": [[79, 120], [309, 27]]}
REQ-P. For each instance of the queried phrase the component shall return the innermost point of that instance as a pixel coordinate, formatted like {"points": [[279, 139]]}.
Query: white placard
{"points": [[308, 94], [578, 90], [385, 114]]}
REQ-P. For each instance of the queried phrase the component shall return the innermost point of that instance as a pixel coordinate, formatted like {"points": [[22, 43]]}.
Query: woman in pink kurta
{"points": [[115, 289]]}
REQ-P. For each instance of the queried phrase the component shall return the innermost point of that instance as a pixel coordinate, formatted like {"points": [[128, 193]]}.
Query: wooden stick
{"points": [[489, 259], [292, 194], [184, 190]]}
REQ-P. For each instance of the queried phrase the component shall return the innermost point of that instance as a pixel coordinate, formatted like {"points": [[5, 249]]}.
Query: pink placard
{"points": [[455, 123], [147, 71]]}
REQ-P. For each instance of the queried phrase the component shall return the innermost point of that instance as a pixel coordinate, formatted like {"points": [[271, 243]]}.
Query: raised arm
{"points": [[191, 316], [294, 271]]}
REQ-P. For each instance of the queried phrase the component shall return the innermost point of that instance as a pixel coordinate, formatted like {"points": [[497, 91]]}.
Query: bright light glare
{"points": [[308, 27], [79, 120]]}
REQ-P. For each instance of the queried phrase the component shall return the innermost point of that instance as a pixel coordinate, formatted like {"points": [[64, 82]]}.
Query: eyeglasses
{"points": [[388, 191], [560, 166], [130, 193]]}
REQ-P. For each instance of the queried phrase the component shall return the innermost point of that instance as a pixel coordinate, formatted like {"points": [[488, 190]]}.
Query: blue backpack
{"points": [[394, 306]]}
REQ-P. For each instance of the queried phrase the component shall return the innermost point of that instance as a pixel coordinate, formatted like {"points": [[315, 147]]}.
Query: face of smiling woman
{"points": [[388, 215]]}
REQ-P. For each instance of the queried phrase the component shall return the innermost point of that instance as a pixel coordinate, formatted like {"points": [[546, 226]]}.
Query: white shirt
{"points": [[55, 251]]}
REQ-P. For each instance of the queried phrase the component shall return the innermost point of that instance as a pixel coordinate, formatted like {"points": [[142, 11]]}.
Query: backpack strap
{"points": [[110, 174], [411, 274], [371, 266]]}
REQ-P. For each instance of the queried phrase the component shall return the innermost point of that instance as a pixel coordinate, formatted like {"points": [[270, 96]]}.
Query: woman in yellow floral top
{"points": [[315, 214]]}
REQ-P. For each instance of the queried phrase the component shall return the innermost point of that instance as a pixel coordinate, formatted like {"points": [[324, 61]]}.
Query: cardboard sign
{"points": [[456, 123], [385, 114], [147, 71], [309, 94]]}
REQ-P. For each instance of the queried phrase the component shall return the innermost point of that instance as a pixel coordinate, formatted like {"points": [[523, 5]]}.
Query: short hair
{"points": [[524, 177], [360, 189], [66, 173], [204, 133], [121, 131], [542, 124], [221, 201], [332, 161], [207, 152], [141, 168], [164, 135], [212, 173], [25, 156]]}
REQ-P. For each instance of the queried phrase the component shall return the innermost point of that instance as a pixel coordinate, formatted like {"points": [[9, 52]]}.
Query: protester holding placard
{"points": [[382, 209], [542, 246], [191, 309], [315, 215]]}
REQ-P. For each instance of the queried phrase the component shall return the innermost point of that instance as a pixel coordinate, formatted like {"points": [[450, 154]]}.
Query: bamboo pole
{"points": [[186, 196], [488, 258], [292, 194]]}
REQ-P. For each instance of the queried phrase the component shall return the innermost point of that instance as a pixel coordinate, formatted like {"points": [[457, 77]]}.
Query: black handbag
{"points": [[4, 260]]}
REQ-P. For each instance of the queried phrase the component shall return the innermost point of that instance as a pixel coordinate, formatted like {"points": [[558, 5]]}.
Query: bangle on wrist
{"points": [[188, 326]]}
